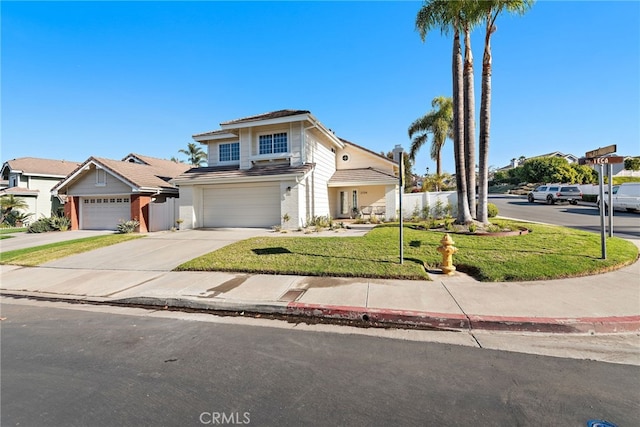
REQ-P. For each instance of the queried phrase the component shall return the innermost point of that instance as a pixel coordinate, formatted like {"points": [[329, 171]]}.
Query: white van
{"points": [[626, 196]]}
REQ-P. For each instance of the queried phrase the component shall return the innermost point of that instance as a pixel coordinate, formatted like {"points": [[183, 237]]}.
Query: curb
{"points": [[368, 317]]}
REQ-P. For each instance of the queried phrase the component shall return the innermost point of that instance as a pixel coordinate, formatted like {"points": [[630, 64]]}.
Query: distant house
{"points": [[32, 179], [102, 192], [283, 168], [515, 162]]}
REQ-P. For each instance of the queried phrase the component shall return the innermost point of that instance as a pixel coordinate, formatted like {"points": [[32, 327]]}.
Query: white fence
{"points": [[162, 216], [415, 204]]}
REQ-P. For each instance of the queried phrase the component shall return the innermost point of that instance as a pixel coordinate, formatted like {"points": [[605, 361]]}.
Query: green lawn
{"points": [[40, 254], [548, 252], [12, 230]]}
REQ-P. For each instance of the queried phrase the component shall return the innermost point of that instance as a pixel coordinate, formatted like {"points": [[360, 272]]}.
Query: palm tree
{"points": [[491, 10], [471, 16], [10, 202], [196, 155], [439, 123], [447, 15]]}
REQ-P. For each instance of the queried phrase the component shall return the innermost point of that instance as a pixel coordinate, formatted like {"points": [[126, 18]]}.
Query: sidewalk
{"points": [[604, 303]]}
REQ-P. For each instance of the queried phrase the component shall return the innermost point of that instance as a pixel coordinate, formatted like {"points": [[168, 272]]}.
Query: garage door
{"points": [[241, 205], [105, 212]]}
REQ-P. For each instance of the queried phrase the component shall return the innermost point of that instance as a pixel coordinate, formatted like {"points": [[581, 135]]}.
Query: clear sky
{"points": [[110, 78]]}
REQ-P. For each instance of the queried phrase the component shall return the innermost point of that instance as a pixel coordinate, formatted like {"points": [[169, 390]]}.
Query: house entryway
{"points": [[347, 201]]}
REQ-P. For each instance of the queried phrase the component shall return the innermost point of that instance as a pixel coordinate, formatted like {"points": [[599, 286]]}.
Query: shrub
{"points": [[492, 210], [61, 223], [125, 227], [40, 226]]}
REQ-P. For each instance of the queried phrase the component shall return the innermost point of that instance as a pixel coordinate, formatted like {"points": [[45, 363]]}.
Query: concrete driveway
{"points": [[29, 240], [161, 251]]}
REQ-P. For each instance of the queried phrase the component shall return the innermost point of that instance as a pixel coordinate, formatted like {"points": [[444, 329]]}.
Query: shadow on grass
{"points": [[271, 251]]}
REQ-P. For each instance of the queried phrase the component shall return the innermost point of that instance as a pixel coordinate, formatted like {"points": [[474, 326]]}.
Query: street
{"points": [[75, 365], [584, 216]]}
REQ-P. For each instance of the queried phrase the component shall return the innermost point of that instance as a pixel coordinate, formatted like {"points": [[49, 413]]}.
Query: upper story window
{"points": [[229, 152], [13, 181], [273, 143], [101, 177]]}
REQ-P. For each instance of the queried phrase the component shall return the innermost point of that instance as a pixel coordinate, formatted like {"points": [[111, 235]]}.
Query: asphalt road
{"points": [[584, 216], [75, 368]]}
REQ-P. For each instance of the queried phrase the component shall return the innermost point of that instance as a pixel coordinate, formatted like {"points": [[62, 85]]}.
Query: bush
{"points": [[55, 223], [492, 210], [125, 227]]}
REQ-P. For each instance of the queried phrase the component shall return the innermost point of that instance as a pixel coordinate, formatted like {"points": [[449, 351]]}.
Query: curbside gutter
{"points": [[365, 317]]}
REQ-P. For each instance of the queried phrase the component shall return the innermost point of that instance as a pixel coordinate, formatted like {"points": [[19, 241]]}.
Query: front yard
{"points": [[548, 252]]}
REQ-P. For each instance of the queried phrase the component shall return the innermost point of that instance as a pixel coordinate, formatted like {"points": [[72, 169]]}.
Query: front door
{"points": [[348, 202]]}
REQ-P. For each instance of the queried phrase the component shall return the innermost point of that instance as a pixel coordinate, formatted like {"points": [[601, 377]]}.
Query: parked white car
{"points": [[625, 196]]}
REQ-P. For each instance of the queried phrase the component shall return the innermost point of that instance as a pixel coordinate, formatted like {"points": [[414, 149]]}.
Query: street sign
{"points": [[601, 151], [602, 160]]}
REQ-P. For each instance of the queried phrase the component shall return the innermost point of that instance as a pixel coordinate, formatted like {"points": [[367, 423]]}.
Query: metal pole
{"points": [[603, 239], [401, 179], [610, 200]]}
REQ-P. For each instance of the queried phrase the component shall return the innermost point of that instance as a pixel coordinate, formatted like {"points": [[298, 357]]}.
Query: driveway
{"points": [[29, 240], [161, 251]]}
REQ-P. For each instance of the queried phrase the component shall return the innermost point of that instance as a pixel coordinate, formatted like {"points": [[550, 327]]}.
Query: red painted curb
{"points": [[609, 324]]}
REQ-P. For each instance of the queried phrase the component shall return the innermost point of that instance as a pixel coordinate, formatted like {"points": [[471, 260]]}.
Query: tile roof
{"points": [[266, 116], [35, 166], [368, 175], [212, 133], [155, 175], [19, 191], [226, 172]]}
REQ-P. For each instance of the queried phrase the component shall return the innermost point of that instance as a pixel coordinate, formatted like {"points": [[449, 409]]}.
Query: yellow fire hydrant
{"points": [[447, 250]]}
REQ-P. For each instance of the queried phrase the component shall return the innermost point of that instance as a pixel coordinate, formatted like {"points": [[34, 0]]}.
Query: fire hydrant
{"points": [[447, 250]]}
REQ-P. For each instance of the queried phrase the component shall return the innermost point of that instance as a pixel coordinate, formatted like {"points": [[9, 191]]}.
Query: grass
{"points": [[41, 254], [12, 230], [548, 252]]}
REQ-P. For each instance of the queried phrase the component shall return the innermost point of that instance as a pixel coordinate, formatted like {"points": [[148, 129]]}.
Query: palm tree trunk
{"points": [[485, 124], [464, 216], [469, 122]]}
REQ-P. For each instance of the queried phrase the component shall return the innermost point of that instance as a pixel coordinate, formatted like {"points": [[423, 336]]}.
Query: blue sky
{"points": [[109, 78]]}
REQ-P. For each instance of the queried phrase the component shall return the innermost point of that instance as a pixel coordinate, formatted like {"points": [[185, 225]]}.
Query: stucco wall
{"points": [[86, 185]]}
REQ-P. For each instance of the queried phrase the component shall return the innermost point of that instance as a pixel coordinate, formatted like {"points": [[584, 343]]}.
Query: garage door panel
{"points": [[241, 205], [104, 213]]}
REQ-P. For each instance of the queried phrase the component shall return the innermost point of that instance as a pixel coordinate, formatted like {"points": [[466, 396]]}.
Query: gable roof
{"points": [[266, 116], [367, 150], [153, 175], [365, 176], [37, 166]]}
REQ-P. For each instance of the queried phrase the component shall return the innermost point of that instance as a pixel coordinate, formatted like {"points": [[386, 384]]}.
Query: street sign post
{"points": [[596, 157], [610, 160], [609, 149]]}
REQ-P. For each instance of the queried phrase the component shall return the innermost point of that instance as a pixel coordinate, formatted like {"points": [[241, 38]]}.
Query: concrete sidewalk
{"points": [[602, 303]]}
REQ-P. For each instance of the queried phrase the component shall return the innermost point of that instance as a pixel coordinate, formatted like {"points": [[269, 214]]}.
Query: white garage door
{"points": [[241, 205], [105, 212]]}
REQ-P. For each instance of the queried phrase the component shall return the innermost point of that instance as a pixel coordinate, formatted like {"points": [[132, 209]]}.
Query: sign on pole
{"points": [[601, 160], [601, 151]]}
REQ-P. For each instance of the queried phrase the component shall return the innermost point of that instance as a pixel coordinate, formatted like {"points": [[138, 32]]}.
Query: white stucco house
{"points": [[283, 164], [31, 179]]}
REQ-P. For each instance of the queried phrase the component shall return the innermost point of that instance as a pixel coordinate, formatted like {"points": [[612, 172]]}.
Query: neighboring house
{"points": [[102, 192], [283, 164], [32, 179], [520, 160]]}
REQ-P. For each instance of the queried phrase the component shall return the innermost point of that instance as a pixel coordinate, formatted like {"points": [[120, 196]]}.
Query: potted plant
{"points": [[178, 222]]}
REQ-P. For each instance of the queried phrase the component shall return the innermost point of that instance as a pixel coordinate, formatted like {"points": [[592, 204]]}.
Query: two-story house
{"points": [[283, 168], [32, 178]]}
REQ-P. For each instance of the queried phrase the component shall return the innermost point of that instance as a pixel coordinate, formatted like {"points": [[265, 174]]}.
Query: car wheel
{"points": [[550, 200], [530, 197], [574, 202]]}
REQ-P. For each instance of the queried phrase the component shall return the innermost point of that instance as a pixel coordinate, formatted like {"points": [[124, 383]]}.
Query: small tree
{"points": [[632, 163], [10, 202]]}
